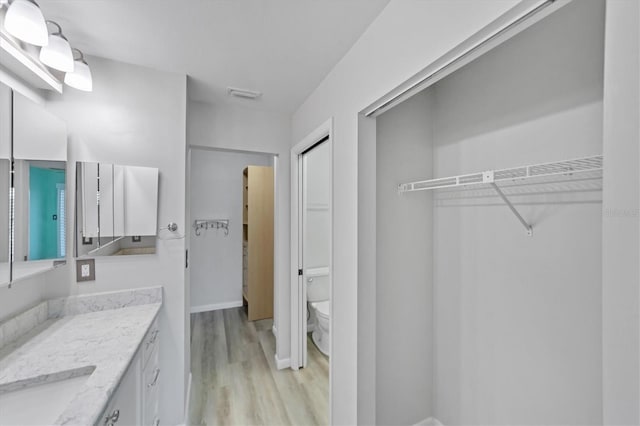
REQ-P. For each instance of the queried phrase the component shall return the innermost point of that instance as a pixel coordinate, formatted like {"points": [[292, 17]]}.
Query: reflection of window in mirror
{"points": [[40, 199]]}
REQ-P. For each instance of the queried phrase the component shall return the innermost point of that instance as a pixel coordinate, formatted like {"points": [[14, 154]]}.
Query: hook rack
{"points": [[206, 224]]}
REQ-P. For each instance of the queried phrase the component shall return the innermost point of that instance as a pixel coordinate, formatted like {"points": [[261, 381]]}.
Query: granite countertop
{"points": [[99, 344]]}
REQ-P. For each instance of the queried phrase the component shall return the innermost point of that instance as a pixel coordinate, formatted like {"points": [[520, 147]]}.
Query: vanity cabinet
{"points": [[135, 401]]}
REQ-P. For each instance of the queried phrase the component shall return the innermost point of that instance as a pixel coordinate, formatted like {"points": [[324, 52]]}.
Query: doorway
{"points": [[311, 247], [225, 186]]}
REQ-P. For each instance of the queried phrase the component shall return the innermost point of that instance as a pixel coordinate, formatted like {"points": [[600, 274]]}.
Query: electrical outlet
{"points": [[85, 270]]}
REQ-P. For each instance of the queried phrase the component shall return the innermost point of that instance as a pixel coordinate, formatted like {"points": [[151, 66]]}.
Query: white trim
{"points": [[429, 421], [187, 403], [215, 307], [508, 25], [281, 364], [325, 129]]}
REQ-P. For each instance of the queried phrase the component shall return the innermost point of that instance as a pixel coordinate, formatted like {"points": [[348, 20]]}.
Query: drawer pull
{"points": [[112, 418], [153, 337], [155, 378]]}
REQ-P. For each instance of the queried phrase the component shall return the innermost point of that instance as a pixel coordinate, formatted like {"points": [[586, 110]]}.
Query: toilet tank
{"points": [[317, 281]]}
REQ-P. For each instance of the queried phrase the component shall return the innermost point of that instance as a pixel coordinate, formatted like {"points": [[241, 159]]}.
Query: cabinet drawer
{"points": [[151, 379], [151, 404], [150, 343]]}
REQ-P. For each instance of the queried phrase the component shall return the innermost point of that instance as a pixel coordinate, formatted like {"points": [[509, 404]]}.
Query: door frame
{"points": [[298, 310]]}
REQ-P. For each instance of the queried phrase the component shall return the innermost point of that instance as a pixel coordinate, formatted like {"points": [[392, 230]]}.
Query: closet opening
{"points": [[483, 193]]}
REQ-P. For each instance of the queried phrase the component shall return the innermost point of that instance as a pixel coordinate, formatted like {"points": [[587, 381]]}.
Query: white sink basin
{"points": [[38, 404]]}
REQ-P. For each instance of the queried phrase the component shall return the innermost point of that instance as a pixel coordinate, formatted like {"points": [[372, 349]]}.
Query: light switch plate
{"points": [[85, 270]]}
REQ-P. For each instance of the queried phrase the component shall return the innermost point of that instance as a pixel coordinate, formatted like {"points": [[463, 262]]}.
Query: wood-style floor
{"points": [[235, 380]]}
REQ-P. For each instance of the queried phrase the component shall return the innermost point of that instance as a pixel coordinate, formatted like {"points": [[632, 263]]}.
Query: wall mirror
{"points": [[5, 164], [39, 189], [116, 209]]}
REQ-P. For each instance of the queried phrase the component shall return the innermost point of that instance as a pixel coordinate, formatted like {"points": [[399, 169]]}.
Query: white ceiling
{"points": [[283, 48]]}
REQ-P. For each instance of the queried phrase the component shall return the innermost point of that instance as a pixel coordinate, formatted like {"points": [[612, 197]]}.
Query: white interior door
{"points": [[315, 230], [302, 278]]}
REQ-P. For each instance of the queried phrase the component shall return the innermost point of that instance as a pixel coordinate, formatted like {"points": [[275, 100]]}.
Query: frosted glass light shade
{"points": [[24, 21], [57, 54], [80, 78]]}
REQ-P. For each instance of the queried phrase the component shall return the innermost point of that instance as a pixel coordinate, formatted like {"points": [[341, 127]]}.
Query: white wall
{"points": [[405, 38], [136, 116], [518, 319], [404, 287], [227, 126], [621, 251], [216, 193]]}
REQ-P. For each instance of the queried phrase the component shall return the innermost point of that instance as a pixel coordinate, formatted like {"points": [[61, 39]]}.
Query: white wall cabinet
{"points": [[135, 401]]}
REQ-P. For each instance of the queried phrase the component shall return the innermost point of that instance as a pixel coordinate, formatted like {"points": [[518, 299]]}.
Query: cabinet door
{"points": [[124, 407]]}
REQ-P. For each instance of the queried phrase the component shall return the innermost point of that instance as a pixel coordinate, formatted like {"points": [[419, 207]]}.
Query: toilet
{"points": [[319, 307], [320, 335]]}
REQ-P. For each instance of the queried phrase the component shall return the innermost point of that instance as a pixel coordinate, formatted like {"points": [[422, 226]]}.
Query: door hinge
{"points": [[299, 272]]}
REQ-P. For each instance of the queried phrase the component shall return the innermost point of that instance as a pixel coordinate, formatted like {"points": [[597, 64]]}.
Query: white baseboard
{"points": [[429, 421], [215, 307], [281, 364]]}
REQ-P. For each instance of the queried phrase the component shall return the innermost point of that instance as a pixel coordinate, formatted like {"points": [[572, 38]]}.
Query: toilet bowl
{"points": [[318, 298], [320, 335]]}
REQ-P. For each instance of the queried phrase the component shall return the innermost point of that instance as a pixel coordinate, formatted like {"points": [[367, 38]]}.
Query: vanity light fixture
{"points": [[80, 78], [57, 54], [24, 21]]}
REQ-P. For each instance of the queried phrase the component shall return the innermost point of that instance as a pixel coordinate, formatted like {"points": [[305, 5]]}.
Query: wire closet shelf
{"points": [[566, 170]]}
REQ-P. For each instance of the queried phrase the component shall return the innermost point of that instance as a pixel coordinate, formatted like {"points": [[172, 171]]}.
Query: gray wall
{"points": [[518, 319], [404, 286], [216, 193], [621, 268]]}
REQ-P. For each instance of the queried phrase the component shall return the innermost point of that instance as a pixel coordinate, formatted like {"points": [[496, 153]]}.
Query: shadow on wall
{"points": [[532, 88]]}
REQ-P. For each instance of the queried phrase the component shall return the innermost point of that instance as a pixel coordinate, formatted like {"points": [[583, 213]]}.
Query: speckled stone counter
{"points": [[100, 343]]}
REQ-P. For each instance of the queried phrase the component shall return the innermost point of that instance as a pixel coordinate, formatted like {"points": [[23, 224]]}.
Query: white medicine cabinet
{"points": [[33, 187], [116, 209]]}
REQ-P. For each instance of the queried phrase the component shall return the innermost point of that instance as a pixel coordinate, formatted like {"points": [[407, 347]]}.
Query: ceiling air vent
{"points": [[243, 93]]}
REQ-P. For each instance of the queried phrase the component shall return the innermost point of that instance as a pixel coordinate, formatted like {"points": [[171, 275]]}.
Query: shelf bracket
{"points": [[528, 227]]}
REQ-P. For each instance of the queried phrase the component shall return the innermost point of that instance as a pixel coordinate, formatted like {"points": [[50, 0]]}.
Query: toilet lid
{"points": [[322, 308]]}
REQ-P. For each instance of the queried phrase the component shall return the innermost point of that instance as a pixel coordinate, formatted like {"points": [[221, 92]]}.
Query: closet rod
{"points": [[422, 82]]}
